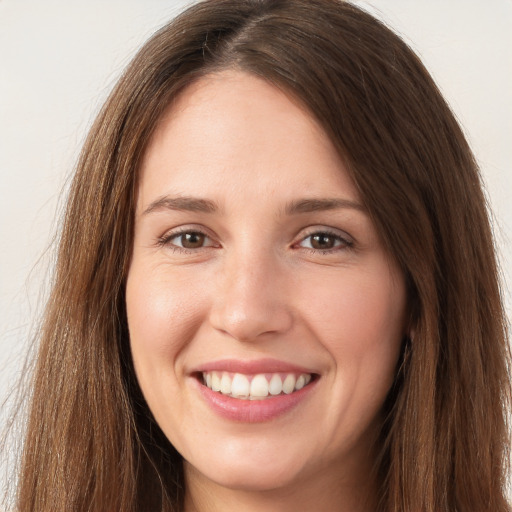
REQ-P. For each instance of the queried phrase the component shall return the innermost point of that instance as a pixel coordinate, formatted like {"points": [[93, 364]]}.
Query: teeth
{"points": [[225, 384], [289, 384], [276, 385], [260, 386], [300, 382], [240, 385], [215, 381]]}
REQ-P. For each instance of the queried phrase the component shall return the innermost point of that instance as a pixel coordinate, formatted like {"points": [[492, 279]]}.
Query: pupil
{"points": [[322, 241], [192, 240]]}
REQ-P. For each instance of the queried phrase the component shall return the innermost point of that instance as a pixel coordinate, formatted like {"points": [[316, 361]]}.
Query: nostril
{"points": [[251, 324]]}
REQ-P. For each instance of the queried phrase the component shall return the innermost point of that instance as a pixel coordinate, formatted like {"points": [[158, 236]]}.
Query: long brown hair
{"points": [[92, 444]]}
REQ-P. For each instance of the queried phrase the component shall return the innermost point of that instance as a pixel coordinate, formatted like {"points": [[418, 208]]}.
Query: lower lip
{"points": [[254, 411]]}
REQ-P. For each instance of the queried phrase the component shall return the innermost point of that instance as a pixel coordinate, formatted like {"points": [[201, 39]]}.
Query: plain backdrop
{"points": [[59, 59]]}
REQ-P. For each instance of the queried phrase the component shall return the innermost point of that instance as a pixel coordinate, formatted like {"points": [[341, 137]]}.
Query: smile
{"points": [[255, 387]]}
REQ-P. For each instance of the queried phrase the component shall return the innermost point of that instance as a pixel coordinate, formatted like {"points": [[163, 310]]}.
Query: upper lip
{"points": [[251, 367]]}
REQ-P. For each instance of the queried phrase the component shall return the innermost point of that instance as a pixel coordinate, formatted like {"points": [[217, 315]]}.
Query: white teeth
{"points": [[289, 384], [276, 385], [225, 384], [259, 387], [215, 381], [240, 385]]}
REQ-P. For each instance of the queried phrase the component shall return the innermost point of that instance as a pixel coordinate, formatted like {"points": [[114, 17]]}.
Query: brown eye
{"points": [[185, 240], [191, 240], [325, 241], [322, 241]]}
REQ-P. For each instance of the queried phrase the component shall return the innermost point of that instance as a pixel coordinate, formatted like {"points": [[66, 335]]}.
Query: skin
{"points": [[257, 286]]}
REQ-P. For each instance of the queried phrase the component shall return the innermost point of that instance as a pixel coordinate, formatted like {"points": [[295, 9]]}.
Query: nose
{"points": [[252, 298]]}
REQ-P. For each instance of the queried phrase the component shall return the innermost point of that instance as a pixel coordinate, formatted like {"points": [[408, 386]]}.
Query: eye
{"points": [[191, 240], [325, 241], [187, 240]]}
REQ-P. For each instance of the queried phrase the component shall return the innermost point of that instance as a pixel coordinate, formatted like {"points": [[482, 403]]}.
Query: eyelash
{"points": [[165, 240], [343, 242]]}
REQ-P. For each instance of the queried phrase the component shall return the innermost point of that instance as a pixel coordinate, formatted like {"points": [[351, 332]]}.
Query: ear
{"points": [[411, 323]]}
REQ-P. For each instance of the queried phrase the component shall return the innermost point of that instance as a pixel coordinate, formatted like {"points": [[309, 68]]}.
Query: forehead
{"points": [[232, 130]]}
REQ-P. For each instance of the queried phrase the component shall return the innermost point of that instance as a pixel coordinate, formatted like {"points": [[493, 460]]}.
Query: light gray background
{"points": [[59, 59]]}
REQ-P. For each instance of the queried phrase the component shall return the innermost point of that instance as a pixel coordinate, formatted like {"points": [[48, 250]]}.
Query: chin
{"points": [[248, 473], [250, 479]]}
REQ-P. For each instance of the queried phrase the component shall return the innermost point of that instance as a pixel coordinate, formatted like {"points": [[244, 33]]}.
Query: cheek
{"points": [[359, 321], [359, 318], [359, 303], [162, 318]]}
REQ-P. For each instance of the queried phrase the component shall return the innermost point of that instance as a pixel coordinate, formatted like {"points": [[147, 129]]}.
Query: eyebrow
{"points": [[194, 204], [313, 205], [184, 203]]}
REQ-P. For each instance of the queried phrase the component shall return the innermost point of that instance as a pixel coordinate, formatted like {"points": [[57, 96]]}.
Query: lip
{"points": [[252, 367], [253, 411]]}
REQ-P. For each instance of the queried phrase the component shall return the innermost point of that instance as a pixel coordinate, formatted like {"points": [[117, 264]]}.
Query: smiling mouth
{"points": [[260, 386]]}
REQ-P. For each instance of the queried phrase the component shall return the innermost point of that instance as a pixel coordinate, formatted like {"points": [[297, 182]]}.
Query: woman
{"points": [[276, 284]]}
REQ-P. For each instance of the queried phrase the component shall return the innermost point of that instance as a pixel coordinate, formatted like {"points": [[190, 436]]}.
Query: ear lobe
{"points": [[410, 327]]}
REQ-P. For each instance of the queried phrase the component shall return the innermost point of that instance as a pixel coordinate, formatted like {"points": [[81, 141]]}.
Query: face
{"points": [[265, 317]]}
